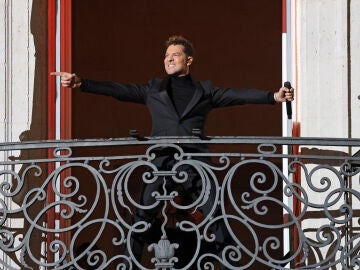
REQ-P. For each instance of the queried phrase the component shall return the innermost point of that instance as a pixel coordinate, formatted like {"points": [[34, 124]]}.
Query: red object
{"points": [[51, 113], [284, 29], [65, 102]]}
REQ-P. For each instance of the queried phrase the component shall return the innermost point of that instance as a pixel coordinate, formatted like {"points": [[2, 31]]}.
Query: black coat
{"points": [[165, 119]]}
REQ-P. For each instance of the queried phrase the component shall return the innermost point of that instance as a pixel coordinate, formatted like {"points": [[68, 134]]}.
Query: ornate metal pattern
{"points": [[152, 204]]}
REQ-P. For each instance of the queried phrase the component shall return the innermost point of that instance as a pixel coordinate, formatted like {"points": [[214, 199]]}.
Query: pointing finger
{"points": [[61, 74], [57, 73]]}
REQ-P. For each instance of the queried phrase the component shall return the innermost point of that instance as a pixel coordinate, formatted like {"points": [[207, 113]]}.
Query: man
{"points": [[185, 101], [178, 104]]}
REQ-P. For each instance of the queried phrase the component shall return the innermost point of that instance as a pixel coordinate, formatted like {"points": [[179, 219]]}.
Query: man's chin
{"points": [[175, 74]]}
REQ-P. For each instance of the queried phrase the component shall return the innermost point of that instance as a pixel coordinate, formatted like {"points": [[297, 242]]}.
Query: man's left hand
{"points": [[284, 94]]}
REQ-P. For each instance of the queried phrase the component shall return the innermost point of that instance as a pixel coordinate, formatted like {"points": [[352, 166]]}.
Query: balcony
{"points": [[154, 203]]}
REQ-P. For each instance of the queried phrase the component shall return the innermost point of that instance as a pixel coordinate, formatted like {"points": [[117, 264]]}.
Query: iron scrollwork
{"points": [[186, 210]]}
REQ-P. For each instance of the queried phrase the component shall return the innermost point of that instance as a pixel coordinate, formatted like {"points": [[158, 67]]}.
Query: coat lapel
{"points": [[195, 99], [165, 96]]}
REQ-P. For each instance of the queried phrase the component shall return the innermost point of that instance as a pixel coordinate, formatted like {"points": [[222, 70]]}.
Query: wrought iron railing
{"points": [[159, 203]]}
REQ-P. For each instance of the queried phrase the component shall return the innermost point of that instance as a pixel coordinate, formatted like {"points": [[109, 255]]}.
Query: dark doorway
{"points": [[237, 43]]}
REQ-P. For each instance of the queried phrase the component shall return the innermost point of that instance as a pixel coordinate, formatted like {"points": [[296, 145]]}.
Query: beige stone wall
{"points": [[322, 68], [355, 69], [17, 71], [23, 86], [328, 62], [23, 70]]}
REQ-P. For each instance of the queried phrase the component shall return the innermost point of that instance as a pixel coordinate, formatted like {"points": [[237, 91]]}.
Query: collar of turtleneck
{"points": [[182, 80]]}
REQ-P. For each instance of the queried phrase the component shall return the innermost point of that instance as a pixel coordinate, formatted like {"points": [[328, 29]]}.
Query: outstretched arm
{"points": [[69, 80], [284, 94], [124, 92]]}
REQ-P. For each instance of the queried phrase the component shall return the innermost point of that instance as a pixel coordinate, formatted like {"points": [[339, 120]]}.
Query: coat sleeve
{"points": [[229, 96], [124, 92]]}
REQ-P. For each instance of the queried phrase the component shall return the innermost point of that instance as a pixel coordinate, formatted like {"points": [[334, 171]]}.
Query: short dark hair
{"points": [[180, 40]]}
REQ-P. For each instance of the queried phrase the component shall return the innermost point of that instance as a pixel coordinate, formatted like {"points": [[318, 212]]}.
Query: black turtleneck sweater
{"points": [[181, 90]]}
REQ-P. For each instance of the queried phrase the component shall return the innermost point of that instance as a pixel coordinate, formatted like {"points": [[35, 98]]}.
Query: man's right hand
{"points": [[69, 80]]}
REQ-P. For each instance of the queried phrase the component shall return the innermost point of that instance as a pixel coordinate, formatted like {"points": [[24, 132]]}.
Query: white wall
{"points": [[17, 57], [355, 69], [323, 75], [17, 69], [322, 68]]}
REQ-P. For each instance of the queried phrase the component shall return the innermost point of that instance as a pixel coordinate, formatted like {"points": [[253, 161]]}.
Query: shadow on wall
{"points": [[32, 176]]}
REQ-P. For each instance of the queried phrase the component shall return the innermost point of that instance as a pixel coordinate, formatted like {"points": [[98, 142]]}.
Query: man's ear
{"points": [[189, 60]]}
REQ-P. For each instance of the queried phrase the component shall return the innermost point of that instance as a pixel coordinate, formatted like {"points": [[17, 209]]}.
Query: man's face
{"points": [[176, 62]]}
